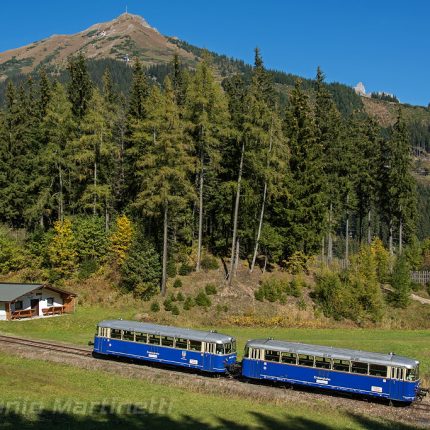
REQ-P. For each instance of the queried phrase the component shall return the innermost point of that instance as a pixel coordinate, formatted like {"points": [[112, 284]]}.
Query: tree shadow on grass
{"points": [[102, 420]]}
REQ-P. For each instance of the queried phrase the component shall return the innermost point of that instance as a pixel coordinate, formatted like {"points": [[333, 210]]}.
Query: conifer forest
{"points": [[194, 163]]}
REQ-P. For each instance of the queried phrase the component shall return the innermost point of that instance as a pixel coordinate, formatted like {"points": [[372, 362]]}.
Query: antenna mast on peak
{"points": [[126, 9]]}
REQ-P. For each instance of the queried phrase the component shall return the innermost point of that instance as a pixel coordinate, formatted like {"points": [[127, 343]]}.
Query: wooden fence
{"points": [[422, 277]]}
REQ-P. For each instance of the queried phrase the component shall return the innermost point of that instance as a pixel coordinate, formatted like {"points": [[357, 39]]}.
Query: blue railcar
{"points": [[379, 375], [202, 350]]}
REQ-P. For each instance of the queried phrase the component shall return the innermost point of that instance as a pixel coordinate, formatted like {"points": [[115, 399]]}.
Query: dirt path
{"points": [[418, 414]]}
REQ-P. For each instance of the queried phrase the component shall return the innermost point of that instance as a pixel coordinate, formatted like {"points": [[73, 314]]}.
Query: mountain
{"points": [[123, 39]]}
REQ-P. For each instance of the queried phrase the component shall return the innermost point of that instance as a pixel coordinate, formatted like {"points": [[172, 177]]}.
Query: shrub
{"points": [[301, 304], [189, 303], [185, 269], [141, 271], [209, 262], [274, 290], [11, 253], [121, 239], [177, 283], [297, 263], [210, 289], [172, 298], [294, 288], [155, 307], [401, 283], [90, 238], [175, 310], [203, 300], [221, 308], [87, 268], [259, 295], [180, 297], [168, 306]]}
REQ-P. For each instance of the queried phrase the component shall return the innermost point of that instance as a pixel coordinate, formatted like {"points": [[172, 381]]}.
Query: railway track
{"points": [[47, 346], [418, 412]]}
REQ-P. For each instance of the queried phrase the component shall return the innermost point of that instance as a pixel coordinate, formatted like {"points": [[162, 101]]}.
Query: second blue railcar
{"points": [[202, 350], [366, 373]]}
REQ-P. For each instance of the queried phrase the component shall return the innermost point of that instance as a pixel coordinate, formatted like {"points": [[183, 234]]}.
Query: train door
{"points": [[209, 352], [396, 383], [255, 355]]}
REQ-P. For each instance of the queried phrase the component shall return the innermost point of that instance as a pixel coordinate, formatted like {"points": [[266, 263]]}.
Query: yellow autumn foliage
{"points": [[121, 239], [62, 252]]}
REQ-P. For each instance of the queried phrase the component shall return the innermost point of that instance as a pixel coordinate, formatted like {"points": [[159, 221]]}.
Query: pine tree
{"points": [[80, 86], [304, 208], [59, 129], [165, 165], [139, 92], [207, 114]]}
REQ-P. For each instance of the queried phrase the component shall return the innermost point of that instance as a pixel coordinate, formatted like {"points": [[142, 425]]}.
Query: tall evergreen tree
{"points": [[165, 165], [208, 124], [80, 86]]}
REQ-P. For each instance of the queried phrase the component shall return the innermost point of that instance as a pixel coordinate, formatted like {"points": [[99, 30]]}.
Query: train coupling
{"points": [[234, 370], [90, 343], [422, 392]]}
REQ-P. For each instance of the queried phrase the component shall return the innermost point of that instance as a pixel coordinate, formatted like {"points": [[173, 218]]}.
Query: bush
{"points": [[172, 298], [301, 304], [297, 263], [168, 305], [401, 283], [171, 269], [203, 300], [185, 269], [177, 283], [141, 271], [90, 238], [180, 297], [11, 253], [209, 262], [210, 289], [155, 307], [274, 290], [87, 268], [175, 310], [189, 303]]}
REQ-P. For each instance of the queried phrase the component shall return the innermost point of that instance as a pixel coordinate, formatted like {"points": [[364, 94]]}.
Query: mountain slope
{"points": [[127, 36]]}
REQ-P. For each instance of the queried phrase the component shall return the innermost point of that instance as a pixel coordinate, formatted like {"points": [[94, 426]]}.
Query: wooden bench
{"points": [[27, 313], [54, 310]]}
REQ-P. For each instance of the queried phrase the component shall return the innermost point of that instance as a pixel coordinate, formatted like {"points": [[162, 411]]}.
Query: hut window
{"points": [[115, 334], [342, 365], [359, 367], [271, 355], [154, 339], [18, 305], [181, 343], [128, 335], [141, 337], [167, 341], [377, 370], [50, 301], [195, 345], [322, 362], [306, 360]]}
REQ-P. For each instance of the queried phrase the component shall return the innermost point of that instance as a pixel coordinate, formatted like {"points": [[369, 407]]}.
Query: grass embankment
{"points": [[80, 328], [37, 395]]}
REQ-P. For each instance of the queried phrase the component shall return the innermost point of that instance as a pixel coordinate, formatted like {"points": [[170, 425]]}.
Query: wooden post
{"points": [[7, 307]]}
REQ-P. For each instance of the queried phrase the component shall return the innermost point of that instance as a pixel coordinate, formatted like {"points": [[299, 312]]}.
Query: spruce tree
{"points": [[165, 164]]}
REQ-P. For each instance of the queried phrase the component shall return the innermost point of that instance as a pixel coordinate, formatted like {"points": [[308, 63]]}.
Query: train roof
{"points": [[337, 353], [164, 330]]}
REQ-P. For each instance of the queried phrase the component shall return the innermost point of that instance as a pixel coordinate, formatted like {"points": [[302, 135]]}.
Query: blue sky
{"points": [[384, 44]]}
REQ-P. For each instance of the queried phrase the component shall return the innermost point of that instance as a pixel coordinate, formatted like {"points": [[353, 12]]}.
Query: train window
{"points": [[141, 337], [342, 365], [228, 348], [359, 367], [412, 374], [288, 357], [167, 341], [115, 334], [128, 335], [322, 362], [256, 353], [396, 373], [246, 353], [233, 346], [271, 355], [181, 343], [306, 360], [210, 347], [377, 370], [195, 345], [154, 339], [220, 349]]}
